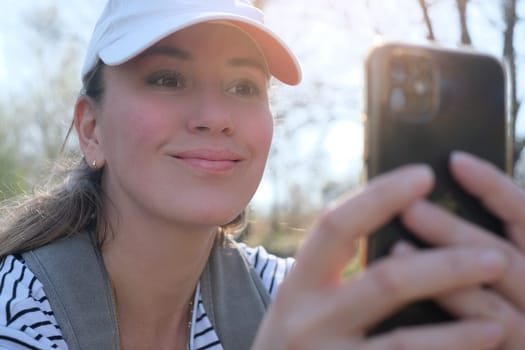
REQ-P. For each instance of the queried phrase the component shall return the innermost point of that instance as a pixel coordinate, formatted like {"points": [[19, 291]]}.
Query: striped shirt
{"points": [[27, 321]]}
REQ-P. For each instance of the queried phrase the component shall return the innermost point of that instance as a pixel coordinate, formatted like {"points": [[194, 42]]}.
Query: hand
{"points": [[316, 309], [505, 301]]}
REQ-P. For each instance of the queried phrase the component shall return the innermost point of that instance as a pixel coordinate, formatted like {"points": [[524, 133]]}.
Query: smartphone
{"points": [[422, 103]]}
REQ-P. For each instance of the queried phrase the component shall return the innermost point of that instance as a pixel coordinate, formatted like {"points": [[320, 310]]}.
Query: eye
{"points": [[245, 89], [167, 79]]}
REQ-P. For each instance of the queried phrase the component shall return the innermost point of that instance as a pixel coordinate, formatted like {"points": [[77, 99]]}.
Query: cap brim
{"points": [[282, 63]]}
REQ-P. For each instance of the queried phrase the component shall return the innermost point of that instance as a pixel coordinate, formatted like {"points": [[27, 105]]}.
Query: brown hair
{"points": [[73, 204]]}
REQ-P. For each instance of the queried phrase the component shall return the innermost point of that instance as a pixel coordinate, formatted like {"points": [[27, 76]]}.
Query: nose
{"points": [[213, 115]]}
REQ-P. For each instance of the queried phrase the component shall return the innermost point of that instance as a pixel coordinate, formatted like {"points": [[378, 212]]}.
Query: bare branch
{"points": [[462, 11], [375, 28], [509, 52], [428, 22]]}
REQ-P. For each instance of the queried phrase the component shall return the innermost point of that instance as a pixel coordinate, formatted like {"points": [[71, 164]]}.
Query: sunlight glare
{"points": [[345, 146], [378, 39]]}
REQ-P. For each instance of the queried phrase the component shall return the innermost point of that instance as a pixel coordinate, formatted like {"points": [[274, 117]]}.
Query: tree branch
{"points": [[428, 22], [509, 52], [462, 10]]}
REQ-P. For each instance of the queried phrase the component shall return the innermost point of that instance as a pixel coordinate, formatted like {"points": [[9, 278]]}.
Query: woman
{"points": [[174, 127]]}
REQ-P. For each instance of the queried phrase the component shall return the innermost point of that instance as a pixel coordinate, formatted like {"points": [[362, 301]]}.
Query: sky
{"points": [[18, 41], [331, 38]]}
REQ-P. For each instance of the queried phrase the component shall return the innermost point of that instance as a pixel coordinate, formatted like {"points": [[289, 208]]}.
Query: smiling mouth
{"points": [[209, 161], [209, 164]]}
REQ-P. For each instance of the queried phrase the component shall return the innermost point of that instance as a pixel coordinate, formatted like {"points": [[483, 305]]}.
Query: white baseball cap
{"points": [[128, 27]]}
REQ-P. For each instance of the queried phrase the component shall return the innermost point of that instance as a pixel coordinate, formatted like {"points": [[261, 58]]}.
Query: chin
{"points": [[213, 219]]}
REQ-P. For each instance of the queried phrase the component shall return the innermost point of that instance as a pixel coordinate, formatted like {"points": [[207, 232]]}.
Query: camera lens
{"points": [[398, 99], [420, 87], [398, 72], [412, 93]]}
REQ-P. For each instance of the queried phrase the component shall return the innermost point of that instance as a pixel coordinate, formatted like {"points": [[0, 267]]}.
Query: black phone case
{"points": [[465, 111]]}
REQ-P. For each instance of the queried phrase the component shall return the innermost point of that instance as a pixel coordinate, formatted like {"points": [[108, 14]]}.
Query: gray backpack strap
{"points": [[79, 292], [234, 296]]}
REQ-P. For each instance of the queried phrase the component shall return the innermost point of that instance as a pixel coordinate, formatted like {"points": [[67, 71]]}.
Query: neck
{"points": [[154, 275]]}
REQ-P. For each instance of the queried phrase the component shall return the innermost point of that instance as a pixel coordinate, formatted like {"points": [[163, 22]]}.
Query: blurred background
{"points": [[317, 151]]}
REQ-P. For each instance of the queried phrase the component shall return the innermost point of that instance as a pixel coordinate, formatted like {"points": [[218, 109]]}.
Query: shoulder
{"points": [[271, 268], [26, 318]]}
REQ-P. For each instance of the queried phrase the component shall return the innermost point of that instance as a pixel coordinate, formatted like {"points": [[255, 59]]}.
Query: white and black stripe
{"points": [[272, 271], [270, 268], [27, 321]]}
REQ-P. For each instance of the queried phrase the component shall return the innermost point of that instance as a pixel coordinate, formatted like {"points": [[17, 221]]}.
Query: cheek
{"points": [[260, 133], [134, 124], [267, 134]]}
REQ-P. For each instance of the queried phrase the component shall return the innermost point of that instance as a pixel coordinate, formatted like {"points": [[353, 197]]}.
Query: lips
{"points": [[209, 160]]}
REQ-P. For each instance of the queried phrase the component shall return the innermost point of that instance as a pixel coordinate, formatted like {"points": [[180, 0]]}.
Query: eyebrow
{"points": [[184, 55], [250, 63], [171, 51]]}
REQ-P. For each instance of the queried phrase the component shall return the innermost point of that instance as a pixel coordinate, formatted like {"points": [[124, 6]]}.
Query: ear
{"points": [[88, 131]]}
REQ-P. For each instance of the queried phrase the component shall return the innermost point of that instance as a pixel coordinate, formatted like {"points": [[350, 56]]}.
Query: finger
{"points": [[395, 281], [494, 189], [403, 248], [472, 302], [438, 227], [486, 304], [465, 335], [516, 234], [479, 303], [329, 247]]}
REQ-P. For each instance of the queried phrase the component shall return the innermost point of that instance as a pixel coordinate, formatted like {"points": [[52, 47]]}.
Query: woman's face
{"points": [[185, 128]]}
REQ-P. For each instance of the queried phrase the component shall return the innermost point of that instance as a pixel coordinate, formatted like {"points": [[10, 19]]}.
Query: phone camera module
{"points": [[398, 71], [413, 92]]}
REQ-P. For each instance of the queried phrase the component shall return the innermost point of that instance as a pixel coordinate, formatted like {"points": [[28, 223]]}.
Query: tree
{"points": [[509, 52], [11, 173], [462, 12], [509, 11], [428, 22], [38, 119]]}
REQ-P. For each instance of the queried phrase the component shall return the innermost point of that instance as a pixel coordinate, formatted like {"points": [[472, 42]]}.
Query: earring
{"points": [[94, 164]]}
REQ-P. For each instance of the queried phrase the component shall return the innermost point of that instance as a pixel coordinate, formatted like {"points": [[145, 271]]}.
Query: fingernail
{"points": [[424, 176], [458, 155], [402, 248], [424, 170], [493, 334], [493, 262]]}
